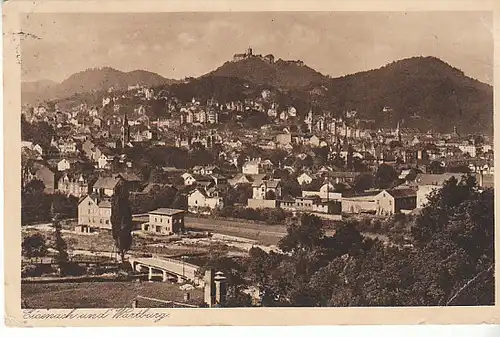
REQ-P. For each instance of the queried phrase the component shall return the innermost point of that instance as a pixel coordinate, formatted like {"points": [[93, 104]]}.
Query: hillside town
{"points": [[330, 165], [200, 174]]}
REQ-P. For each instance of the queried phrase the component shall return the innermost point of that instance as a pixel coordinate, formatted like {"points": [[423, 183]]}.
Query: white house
{"points": [[314, 141], [251, 167], [93, 212], [103, 161], [327, 191], [188, 179], [467, 148], [38, 149], [27, 144], [200, 200], [304, 179], [261, 189], [63, 165]]}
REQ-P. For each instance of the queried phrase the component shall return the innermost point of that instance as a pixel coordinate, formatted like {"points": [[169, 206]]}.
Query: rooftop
{"points": [[107, 182], [166, 211], [402, 193]]}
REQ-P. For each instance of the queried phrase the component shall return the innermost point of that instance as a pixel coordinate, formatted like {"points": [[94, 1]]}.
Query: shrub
{"points": [[74, 269], [37, 270]]}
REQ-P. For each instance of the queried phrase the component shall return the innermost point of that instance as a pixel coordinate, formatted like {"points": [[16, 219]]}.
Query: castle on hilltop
{"points": [[269, 58]]}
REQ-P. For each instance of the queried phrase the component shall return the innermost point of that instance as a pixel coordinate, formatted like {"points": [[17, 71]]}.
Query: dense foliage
{"points": [[271, 216], [450, 260], [121, 221], [36, 205], [39, 133]]}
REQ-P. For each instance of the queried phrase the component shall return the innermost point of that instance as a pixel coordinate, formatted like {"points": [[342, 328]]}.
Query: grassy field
{"points": [[99, 294], [264, 234]]}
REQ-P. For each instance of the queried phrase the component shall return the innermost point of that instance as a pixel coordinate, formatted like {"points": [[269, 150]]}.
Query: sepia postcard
{"points": [[178, 163]]}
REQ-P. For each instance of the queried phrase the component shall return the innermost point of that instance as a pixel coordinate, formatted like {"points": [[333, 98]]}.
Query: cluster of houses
{"points": [[208, 187], [94, 210], [90, 144]]}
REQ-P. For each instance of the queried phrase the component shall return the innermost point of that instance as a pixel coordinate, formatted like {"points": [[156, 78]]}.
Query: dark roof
{"points": [[343, 174], [106, 182], [402, 193], [128, 176], [166, 211], [105, 204]]}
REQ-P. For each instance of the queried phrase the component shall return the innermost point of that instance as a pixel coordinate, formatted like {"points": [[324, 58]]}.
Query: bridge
{"points": [[167, 268]]}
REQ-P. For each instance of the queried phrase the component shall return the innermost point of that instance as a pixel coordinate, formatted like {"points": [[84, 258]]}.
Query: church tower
{"points": [[125, 130]]}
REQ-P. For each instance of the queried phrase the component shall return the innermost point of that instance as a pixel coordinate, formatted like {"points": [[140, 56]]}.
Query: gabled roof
{"points": [[200, 190], [128, 176], [402, 193], [218, 176], [343, 174], [107, 182]]}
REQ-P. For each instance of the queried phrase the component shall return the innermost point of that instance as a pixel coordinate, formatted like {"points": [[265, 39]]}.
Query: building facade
{"points": [[94, 212], [165, 221]]}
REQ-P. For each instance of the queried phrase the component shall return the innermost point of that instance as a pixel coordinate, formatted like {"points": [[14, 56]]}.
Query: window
{"points": [[100, 221], [107, 222]]}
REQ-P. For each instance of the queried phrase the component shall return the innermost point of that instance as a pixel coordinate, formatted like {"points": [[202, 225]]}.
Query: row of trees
{"points": [[35, 245], [38, 132], [450, 262], [270, 216]]}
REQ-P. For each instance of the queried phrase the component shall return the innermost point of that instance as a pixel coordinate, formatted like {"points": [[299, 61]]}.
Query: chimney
{"points": [[481, 178], [209, 288], [220, 288]]}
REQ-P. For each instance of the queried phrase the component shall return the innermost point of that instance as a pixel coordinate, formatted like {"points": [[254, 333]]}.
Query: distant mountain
{"points": [[418, 92], [36, 91], [280, 74], [96, 79], [421, 92]]}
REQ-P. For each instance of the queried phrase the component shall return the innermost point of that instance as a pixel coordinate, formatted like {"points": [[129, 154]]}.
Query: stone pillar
{"points": [[134, 303], [209, 288], [180, 279], [220, 288], [150, 275], [165, 277]]}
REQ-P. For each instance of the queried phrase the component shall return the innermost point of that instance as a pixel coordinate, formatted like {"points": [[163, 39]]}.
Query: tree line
{"points": [[449, 259]]}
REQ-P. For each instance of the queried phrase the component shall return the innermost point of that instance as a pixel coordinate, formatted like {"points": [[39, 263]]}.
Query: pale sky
{"points": [[176, 45]]}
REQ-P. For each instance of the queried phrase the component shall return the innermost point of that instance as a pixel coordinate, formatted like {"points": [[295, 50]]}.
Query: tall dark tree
{"points": [[363, 182], [305, 234], [61, 247], [121, 221], [385, 176]]}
